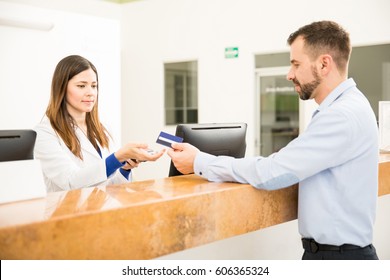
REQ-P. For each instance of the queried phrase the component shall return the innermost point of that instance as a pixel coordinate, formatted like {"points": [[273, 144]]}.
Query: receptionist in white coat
{"points": [[74, 148]]}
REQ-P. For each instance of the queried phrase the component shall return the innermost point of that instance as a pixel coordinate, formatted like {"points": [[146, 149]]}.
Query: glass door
{"points": [[278, 110]]}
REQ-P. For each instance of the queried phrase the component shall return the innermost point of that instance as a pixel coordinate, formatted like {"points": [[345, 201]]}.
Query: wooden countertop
{"points": [[144, 220]]}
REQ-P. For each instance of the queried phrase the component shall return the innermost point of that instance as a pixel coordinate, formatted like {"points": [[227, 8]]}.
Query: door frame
{"points": [[260, 73], [306, 108]]}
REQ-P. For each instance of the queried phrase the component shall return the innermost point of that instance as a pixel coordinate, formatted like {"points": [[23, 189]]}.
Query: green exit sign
{"points": [[231, 52]]}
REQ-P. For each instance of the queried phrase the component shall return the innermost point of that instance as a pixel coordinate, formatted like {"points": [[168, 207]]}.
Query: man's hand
{"points": [[183, 156]]}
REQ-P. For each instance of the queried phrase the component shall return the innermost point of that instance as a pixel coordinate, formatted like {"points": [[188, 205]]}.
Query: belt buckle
{"points": [[313, 246]]}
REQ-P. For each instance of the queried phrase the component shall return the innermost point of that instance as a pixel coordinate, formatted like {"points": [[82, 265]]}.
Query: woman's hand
{"points": [[130, 164], [138, 152]]}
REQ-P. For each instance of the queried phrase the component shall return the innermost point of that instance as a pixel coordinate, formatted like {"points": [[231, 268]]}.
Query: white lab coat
{"points": [[62, 170]]}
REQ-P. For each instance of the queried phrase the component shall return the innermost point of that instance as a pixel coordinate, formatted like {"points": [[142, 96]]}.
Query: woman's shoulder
{"points": [[44, 126]]}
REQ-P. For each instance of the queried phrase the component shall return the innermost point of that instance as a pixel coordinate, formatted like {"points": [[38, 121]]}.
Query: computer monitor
{"points": [[228, 139], [17, 144]]}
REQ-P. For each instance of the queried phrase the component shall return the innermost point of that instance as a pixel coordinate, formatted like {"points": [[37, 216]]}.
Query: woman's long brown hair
{"points": [[56, 111]]}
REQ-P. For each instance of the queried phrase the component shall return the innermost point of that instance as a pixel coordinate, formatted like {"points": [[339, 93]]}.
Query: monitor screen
{"points": [[17, 144], [228, 139]]}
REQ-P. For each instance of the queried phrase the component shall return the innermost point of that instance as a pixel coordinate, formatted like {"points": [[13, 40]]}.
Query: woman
{"points": [[74, 148]]}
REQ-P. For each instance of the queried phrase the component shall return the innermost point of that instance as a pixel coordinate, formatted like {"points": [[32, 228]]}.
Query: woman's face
{"points": [[81, 94]]}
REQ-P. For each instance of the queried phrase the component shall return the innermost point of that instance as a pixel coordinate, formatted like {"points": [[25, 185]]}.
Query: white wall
{"points": [[28, 58]]}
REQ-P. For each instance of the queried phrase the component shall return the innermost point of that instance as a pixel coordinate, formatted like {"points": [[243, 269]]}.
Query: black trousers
{"points": [[315, 251]]}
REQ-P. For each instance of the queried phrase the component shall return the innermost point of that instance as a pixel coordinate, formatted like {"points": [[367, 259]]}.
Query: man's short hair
{"points": [[325, 37]]}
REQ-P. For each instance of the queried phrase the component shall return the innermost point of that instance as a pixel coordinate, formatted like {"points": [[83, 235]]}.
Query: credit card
{"points": [[167, 139]]}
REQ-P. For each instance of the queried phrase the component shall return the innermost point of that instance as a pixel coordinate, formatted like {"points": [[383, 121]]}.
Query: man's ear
{"points": [[325, 61]]}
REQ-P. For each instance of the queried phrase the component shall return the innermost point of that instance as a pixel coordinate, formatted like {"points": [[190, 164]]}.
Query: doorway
{"points": [[277, 110]]}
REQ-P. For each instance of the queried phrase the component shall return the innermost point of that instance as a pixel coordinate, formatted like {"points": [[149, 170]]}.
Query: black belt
{"points": [[312, 246]]}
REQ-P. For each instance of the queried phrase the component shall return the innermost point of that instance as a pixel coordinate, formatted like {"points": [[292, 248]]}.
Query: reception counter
{"points": [[144, 220]]}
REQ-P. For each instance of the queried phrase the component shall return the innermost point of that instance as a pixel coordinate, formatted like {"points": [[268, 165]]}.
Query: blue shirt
{"points": [[112, 164], [335, 160]]}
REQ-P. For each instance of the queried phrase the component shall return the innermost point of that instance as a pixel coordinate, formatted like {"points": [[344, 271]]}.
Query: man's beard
{"points": [[308, 88]]}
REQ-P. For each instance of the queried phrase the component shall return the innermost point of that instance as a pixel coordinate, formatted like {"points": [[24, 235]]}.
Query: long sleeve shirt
{"points": [[335, 160]]}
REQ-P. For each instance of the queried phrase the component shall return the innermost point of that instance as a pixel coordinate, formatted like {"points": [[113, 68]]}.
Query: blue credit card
{"points": [[167, 139]]}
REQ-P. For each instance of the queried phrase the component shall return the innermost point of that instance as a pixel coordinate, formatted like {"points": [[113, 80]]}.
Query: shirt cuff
{"points": [[112, 164], [200, 163], [125, 173]]}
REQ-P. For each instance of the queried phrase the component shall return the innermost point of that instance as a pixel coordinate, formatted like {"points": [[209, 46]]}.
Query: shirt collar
{"points": [[336, 93]]}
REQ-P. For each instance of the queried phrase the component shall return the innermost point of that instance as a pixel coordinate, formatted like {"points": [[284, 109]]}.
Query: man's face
{"points": [[303, 73]]}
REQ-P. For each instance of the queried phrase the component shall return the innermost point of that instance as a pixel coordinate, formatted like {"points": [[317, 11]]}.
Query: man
{"points": [[335, 160]]}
